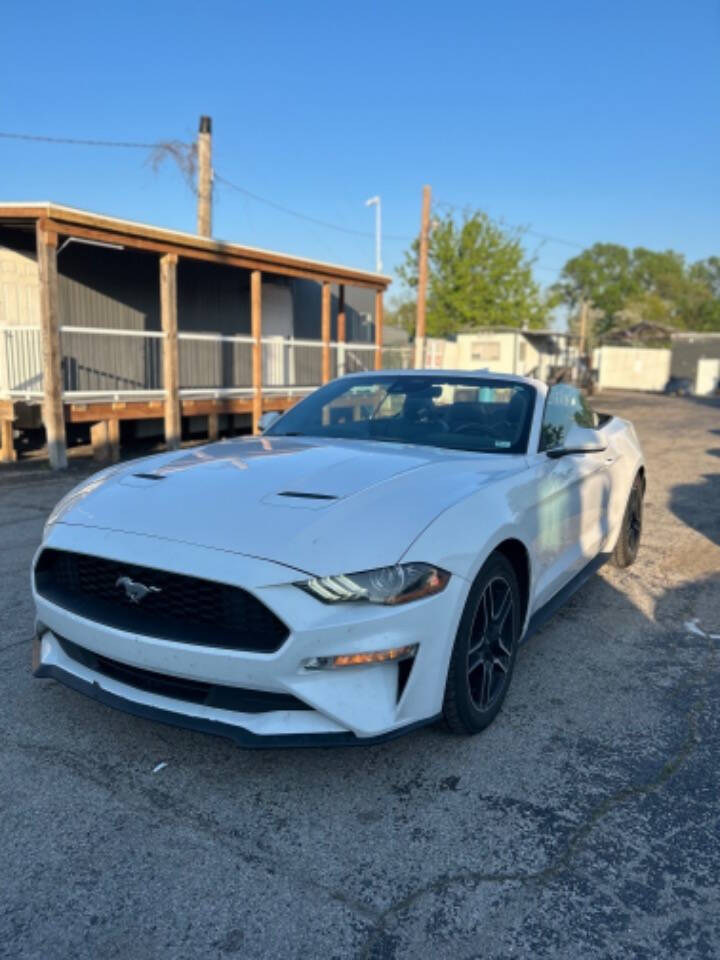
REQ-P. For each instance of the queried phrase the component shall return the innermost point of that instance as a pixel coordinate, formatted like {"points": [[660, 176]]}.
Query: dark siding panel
{"points": [[307, 310], [687, 352], [114, 289], [213, 298]]}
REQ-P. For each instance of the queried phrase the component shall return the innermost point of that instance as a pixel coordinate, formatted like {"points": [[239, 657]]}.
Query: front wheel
{"points": [[485, 648], [628, 544]]}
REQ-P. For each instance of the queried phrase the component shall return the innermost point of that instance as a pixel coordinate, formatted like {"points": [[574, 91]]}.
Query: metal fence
{"points": [[99, 362], [21, 362], [210, 363], [351, 358], [397, 358]]}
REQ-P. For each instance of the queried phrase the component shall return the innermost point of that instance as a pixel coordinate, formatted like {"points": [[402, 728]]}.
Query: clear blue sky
{"points": [[583, 120]]}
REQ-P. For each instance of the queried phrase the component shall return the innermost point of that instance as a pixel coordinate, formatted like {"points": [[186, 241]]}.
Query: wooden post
{"points": [[171, 363], [100, 440], [7, 443], [105, 440], [213, 426], [341, 331], [114, 439], [378, 329], [204, 178], [53, 414], [325, 331], [256, 331], [422, 279]]}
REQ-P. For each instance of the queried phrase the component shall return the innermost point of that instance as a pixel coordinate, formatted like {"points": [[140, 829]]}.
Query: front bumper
{"points": [[353, 704]]}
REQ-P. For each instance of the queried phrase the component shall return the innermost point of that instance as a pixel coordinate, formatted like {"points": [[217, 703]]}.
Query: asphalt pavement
{"points": [[582, 824]]}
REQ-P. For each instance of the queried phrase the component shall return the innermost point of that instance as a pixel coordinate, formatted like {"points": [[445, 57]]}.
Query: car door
{"points": [[572, 496]]}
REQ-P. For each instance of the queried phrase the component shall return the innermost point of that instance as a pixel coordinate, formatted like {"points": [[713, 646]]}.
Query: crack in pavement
{"points": [[581, 833]]}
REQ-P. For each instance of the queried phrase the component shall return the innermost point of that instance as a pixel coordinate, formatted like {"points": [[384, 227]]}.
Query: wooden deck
{"points": [[106, 416]]}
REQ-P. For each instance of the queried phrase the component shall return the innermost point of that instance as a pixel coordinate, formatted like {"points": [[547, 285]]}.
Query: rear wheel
{"points": [[485, 648], [628, 544]]}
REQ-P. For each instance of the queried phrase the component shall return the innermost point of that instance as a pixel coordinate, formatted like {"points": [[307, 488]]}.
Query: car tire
{"points": [[483, 657], [628, 543]]}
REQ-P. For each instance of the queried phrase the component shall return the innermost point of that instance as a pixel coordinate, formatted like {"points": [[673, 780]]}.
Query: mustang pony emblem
{"points": [[135, 591]]}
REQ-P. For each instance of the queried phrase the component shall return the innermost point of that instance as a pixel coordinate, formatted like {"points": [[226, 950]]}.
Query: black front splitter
{"points": [[239, 736]]}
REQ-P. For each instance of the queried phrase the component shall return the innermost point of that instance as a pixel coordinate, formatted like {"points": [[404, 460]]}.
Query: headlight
{"points": [[388, 585]]}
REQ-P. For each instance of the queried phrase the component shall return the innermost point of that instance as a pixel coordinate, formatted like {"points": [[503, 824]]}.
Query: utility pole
{"points": [[375, 202], [422, 279], [583, 326], [204, 177]]}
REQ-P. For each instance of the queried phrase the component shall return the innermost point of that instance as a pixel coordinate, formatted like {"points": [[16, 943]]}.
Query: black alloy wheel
{"points": [[483, 657], [628, 544]]}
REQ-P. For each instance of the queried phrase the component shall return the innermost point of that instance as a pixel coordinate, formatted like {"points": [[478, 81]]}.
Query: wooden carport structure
{"points": [[52, 224]]}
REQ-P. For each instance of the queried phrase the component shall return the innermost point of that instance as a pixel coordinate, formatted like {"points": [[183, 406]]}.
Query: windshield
{"points": [[459, 413]]}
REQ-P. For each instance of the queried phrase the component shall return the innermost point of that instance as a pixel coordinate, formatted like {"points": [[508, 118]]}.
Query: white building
{"points": [[503, 350]]}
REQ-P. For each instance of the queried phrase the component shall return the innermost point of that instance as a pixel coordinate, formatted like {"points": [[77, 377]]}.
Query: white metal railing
{"points": [[105, 361], [21, 363], [293, 365], [212, 364], [397, 358], [351, 358], [102, 362]]}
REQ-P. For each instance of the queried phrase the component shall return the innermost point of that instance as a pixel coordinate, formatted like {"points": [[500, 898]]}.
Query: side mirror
{"points": [[579, 440], [267, 420]]}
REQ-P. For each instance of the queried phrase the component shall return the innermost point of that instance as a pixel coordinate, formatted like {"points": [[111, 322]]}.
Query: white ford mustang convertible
{"points": [[369, 564]]}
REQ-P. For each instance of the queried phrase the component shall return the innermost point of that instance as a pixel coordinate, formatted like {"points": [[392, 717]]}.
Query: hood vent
{"points": [[149, 476], [308, 496]]}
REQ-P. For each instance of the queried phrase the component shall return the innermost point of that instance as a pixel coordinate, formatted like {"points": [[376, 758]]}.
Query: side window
{"points": [[565, 406]]}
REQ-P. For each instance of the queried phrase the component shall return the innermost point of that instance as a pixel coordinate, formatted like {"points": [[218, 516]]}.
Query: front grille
{"points": [[191, 691], [182, 608]]}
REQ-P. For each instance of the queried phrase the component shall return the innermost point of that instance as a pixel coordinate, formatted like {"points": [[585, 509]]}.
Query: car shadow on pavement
{"points": [[698, 504]]}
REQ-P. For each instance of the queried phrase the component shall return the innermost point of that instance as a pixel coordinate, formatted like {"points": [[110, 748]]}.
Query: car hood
{"points": [[319, 506]]}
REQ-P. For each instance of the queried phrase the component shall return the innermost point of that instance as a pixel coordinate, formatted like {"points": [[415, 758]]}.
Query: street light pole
{"points": [[375, 202]]}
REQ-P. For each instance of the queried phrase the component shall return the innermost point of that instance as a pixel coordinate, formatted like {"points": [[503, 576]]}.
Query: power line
{"points": [[78, 142], [304, 216], [137, 145], [551, 239], [542, 266]]}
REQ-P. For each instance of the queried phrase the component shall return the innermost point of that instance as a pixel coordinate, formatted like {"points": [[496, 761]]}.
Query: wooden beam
{"points": [[213, 252], [325, 330], [170, 357], [105, 440], [256, 333], [106, 410], [114, 439], [46, 244], [378, 329], [341, 318], [94, 411], [8, 453], [341, 331]]}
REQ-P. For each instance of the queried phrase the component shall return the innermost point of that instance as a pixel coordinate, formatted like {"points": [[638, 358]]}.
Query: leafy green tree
{"points": [[703, 308], [628, 287], [478, 276]]}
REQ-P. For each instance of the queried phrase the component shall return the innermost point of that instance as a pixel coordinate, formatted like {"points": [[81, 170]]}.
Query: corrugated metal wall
{"points": [[119, 289]]}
